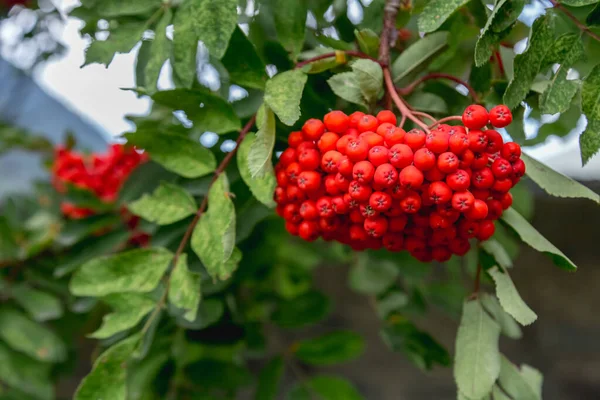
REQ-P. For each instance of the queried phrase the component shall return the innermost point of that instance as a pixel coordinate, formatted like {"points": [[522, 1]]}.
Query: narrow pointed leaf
{"points": [[370, 79], [185, 45], [508, 325], [261, 187], [184, 290], [169, 203], [345, 85], [290, 24], [510, 299], [589, 141], [283, 94], [159, 52], [436, 12], [41, 306], [261, 151], [128, 311], [214, 23], [243, 63], [331, 348], [418, 54], [513, 383]]}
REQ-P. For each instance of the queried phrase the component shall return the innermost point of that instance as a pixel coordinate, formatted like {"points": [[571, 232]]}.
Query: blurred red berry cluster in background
{"points": [[101, 174], [365, 182]]}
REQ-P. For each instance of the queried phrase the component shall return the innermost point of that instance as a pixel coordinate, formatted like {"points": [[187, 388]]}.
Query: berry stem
{"points": [[410, 88], [425, 115], [500, 64], [188, 233], [573, 18], [404, 110], [352, 53], [446, 119]]}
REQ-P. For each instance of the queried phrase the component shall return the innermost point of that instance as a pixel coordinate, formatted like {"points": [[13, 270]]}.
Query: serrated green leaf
{"points": [[290, 24], [122, 39], [214, 23], [578, 3], [306, 309], [31, 338], [185, 45], [436, 12], [207, 111], [41, 306], [169, 203], [327, 387], [160, 51], [140, 377], [118, 8], [555, 183], [593, 18], [508, 325], [477, 359], [393, 301], [534, 378], [513, 383], [498, 252], [209, 312], [559, 94], [503, 16], [261, 150], [128, 311], [589, 141], [176, 153], [345, 85], [331, 348], [185, 288], [283, 94], [370, 79], [368, 41], [269, 380], [109, 373], [418, 54], [535, 239], [261, 187], [213, 239], [480, 78], [528, 64], [29, 376], [136, 270], [590, 94], [243, 63], [371, 277], [510, 299]]}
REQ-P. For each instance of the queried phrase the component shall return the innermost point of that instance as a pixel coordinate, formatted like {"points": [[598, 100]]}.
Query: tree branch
{"points": [[410, 88], [352, 53], [446, 119], [573, 18]]}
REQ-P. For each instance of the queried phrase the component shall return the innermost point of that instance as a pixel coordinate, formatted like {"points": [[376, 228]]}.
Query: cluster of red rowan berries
{"points": [[365, 182], [101, 174]]}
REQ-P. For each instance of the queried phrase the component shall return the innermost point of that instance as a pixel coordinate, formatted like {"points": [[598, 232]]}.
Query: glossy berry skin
{"points": [[365, 182], [500, 116]]}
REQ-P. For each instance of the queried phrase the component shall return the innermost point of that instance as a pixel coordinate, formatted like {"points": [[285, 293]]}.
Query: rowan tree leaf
{"points": [[185, 45], [370, 79], [185, 290], [214, 23], [269, 380], [206, 110], [345, 85], [477, 359], [578, 3], [243, 63], [510, 299], [535, 239], [169, 203], [498, 252], [306, 309], [370, 277], [555, 183], [283, 94], [121, 39], [534, 378], [117, 8], [128, 311], [176, 153], [593, 18], [261, 187], [40, 305], [558, 96], [108, 379], [590, 94], [417, 54], [327, 387], [436, 12], [330, 348], [589, 141], [213, 239], [290, 24], [21, 372], [368, 41], [513, 383], [261, 149], [160, 51], [30, 338], [138, 270], [508, 326], [528, 64]]}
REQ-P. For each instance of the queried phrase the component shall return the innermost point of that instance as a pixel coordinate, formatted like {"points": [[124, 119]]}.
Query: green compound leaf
{"points": [[283, 94], [578, 3], [30, 338], [436, 12], [185, 45], [269, 380], [510, 299], [185, 290], [555, 183], [159, 51], [136, 270], [41, 306], [128, 311], [261, 187], [261, 150], [243, 63], [589, 141], [290, 24], [214, 237], [370, 79], [368, 41], [509, 327], [346, 86], [118, 8], [214, 23], [108, 379], [23, 373], [176, 153], [122, 39], [515, 384], [331, 348], [327, 387], [528, 64], [169, 203], [477, 359], [535, 239], [590, 94], [418, 54]]}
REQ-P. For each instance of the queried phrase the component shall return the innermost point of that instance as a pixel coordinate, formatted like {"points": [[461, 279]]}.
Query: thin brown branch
{"points": [[351, 53], [425, 115], [404, 110], [576, 21], [446, 119], [500, 64], [405, 91], [389, 31]]}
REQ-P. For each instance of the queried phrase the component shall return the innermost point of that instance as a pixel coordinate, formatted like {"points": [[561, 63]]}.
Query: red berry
{"points": [[447, 162], [459, 180], [279, 196], [459, 246], [385, 175], [308, 230], [468, 229], [437, 141], [463, 201], [367, 211], [494, 209], [483, 178], [518, 168], [359, 191], [386, 116], [441, 253], [378, 155], [393, 241], [309, 159], [486, 230], [380, 201], [411, 203], [367, 123], [495, 141], [291, 212], [288, 156], [466, 159], [295, 139], [385, 128], [434, 175], [325, 207], [339, 205], [357, 150], [313, 129], [500, 116], [506, 201], [478, 211], [424, 159], [502, 185], [336, 121], [328, 142], [511, 151], [342, 143], [415, 139], [371, 138], [400, 156], [345, 166], [330, 160], [331, 186], [458, 143], [477, 141], [475, 117], [308, 210], [282, 178], [394, 137], [309, 181], [292, 171], [501, 168], [376, 227], [363, 171], [411, 177], [480, 161], [294, 194], [358, 233], [439, 193], [291, 228], [342, 182]]}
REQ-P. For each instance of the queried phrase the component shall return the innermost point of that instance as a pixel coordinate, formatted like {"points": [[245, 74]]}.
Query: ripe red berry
{"points": [[342, 182], [501, 168], [378, 155], [400, 156], [339, 205], [477, 141], [294, 194], [295, 139], [292, 171], [483, 178], [331, 186], [486, 230], [424, 159], [411, 177], [367, 123], [288, 156], [480, 161], [308, 230], [448, 162], [328, 142], [459, 180], [439, 193], [376, 227], [308, 210], [325, 207], [385, 128], [494, 208], [291, 212], [392, 241], [478, 211], [358, 233], [500, 116], [386, 116], [466, 159], [345, 166], [380, 201], [398, 223], [434, 175], [306, 145], [359, 192], [309, 159], [502, 185], [506, 200], [371, 138], [437, 141], [309, 181], [511, 151], [342, 143], [458, 143], [291, 228], [313, 129], [363, 171], [411, 203], [385, 175], [475, 117], [468, 229], [367, 211], [330, 160], [463, 201], [459, 246], [336, 121], [518, 168], [415, 139], [357, 150], [495, 141]]}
